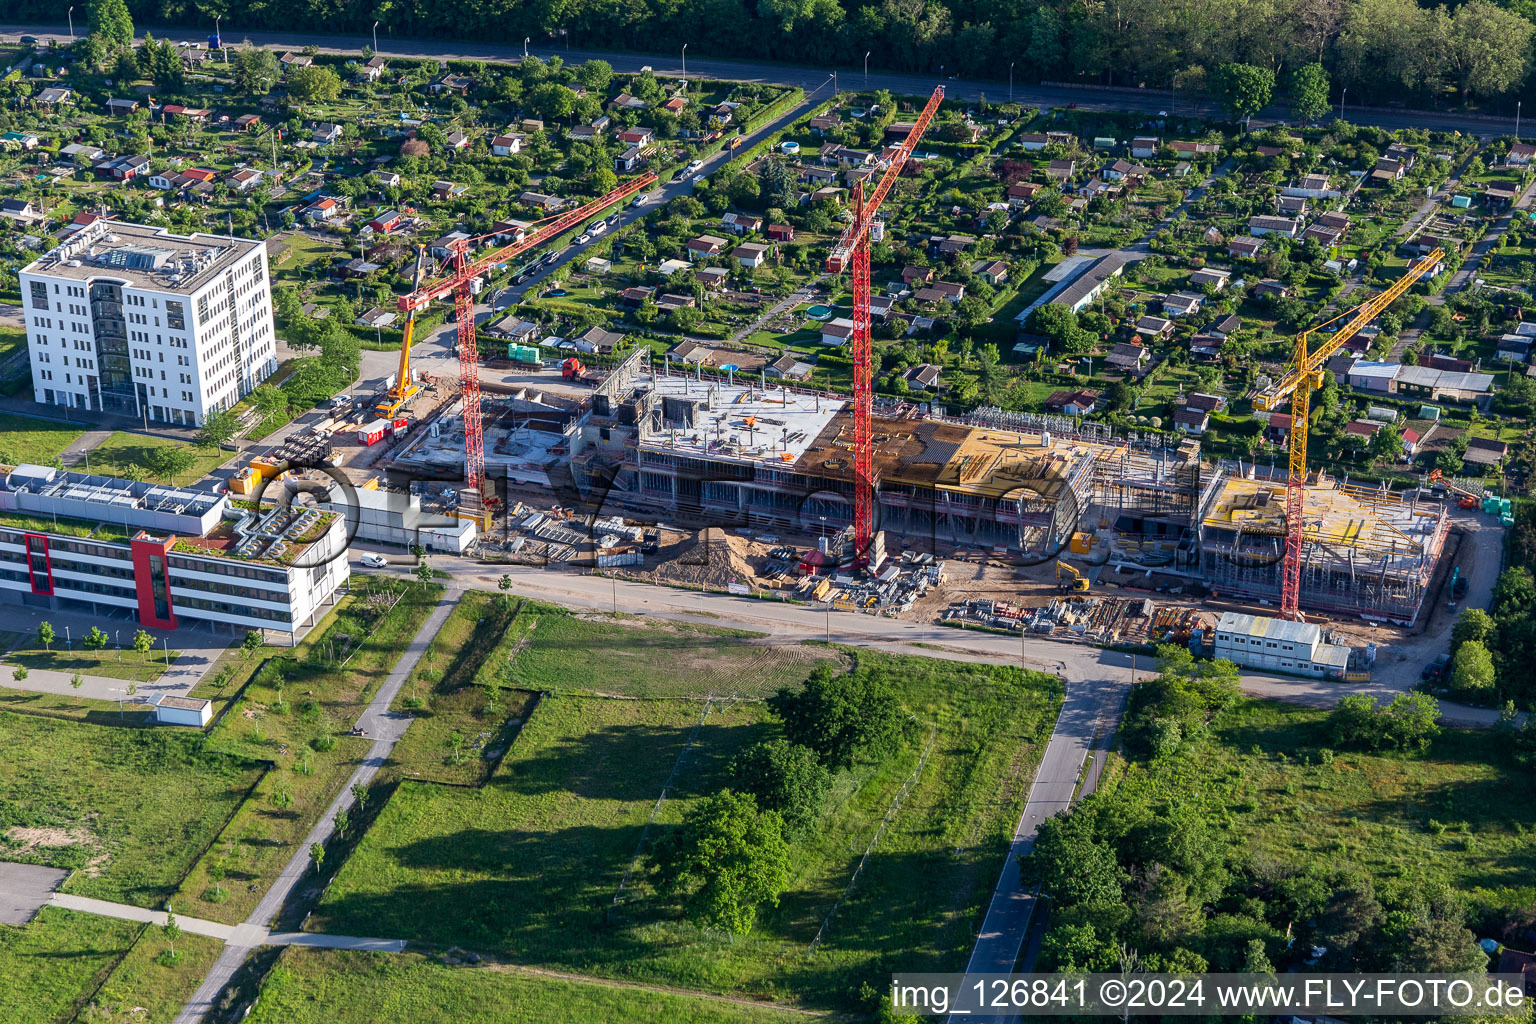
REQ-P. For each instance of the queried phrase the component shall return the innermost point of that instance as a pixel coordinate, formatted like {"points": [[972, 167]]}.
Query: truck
{"points": [[572, 370], [372, 432]]}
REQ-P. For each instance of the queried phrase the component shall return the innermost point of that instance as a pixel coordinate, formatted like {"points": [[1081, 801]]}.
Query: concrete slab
{"points": [[25, 888]]}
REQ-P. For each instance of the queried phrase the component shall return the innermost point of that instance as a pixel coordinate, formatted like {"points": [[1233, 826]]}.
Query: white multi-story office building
{"points": [[137, 321]]}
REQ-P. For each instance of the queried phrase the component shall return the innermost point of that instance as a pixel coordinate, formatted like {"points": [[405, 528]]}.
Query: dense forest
{"points": [[1379, 50]]}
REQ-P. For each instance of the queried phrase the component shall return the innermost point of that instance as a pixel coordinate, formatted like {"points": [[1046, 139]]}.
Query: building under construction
{"points": [[743, 451], [1368, 552], [753, 453]]}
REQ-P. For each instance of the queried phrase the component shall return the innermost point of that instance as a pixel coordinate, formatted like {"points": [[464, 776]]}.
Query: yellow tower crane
{"points": [[1305, 373]]}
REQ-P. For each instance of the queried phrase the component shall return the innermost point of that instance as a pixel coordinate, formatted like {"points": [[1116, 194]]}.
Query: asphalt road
{"points": [[1152, 101]]}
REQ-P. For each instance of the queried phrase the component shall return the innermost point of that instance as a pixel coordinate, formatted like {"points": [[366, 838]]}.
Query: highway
{"points": [[1084, 97]]}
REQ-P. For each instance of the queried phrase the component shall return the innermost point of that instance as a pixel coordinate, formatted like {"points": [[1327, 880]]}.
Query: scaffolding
{"points": [[1368, 551]]}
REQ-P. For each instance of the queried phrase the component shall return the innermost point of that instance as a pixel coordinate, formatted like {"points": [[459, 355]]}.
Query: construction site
{"points": [[737, 481]]}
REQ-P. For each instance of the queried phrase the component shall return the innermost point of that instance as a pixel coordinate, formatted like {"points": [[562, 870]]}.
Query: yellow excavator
{"points": [[1069, 579], [404, 388]]}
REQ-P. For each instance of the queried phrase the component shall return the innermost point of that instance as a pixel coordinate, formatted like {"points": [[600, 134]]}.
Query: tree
{"points": [[551, 101], [171, 930], [1309, 93], [1488, 48], [110, 21], [505, 586], [724, 860], [317, 856], [46, 635], [423, 572], [1243, 89], [269, 400], [777, 184], [252, 642], [19, 673], [784, 777], [595, 75], [142, 641], [314, 84], [77, 680], [255, 70], [218, 427], [604, 180], [841, 716], [169, 461], [95, 640], [1072, 863], [1473, 625], [1472, 668]]}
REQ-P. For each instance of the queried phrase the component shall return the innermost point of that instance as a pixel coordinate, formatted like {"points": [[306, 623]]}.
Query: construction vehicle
{"points": [[1306, 371], [1469, 498], [403, 388], [1074, 581], [851, 254], [573, 371]]}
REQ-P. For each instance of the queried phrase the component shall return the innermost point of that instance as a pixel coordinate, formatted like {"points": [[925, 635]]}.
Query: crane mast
{"points": [[1305, 373], [458, 284], [851, 252]]}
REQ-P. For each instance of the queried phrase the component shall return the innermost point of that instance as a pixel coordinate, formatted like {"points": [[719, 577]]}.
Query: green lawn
{"points": [[645, 657], [49, 966], [298, 703], [110, 664], [146, 987], [117, 453], [130, 808], [528, 866], [24, 439], [336, 987]]}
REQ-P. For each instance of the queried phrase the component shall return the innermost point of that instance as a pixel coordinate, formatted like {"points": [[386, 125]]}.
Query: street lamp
{"points": [[375, 38], [1342, 97], [1010, 80], [685, 60], [71, 15], [866, 68], [834, 83], [525, 46], [1517, 120]]}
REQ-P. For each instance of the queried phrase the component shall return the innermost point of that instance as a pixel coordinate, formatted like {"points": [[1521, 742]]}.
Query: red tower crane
{"points": [[852, 251], [457, 284]]}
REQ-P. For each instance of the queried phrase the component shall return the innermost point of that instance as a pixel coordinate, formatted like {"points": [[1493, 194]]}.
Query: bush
{"points": [[841, 716], [1409, 723]]}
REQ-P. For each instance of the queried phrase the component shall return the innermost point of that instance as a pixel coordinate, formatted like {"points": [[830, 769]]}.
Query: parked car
{"points": [[373, 561], [584, 238], [698, 179]]}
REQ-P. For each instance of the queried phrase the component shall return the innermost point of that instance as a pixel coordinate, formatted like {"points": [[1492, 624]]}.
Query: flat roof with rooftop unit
{"points": [[147, 257]]}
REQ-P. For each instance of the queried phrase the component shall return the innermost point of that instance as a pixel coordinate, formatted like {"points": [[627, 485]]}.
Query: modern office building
{"points": [[139, 322], [166, 557]]}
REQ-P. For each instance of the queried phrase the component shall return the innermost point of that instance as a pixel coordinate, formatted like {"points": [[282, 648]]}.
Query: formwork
{"points": [[1368, 551]]}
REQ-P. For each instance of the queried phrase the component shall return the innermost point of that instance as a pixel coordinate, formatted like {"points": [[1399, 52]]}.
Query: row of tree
{"points": [[1379, 49]]}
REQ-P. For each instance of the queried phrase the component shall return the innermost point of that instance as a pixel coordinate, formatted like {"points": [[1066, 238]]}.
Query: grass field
{"points": [[334, 987], [296, 712], [131, 808], [143, 989], [1454, 815], [114, 455], [529, 865], [110, 664], [51, 964], [637, 657], [24, 439]]}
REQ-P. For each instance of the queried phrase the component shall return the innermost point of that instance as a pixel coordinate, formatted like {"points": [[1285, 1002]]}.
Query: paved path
{"points": [[386, 728], [228, 933], [788, 302], [1092, 707], [24, 888], [199, 650]]}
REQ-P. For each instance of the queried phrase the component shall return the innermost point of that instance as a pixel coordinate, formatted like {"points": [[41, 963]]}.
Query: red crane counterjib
{"points": [[837, 259], [538, 234]]}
